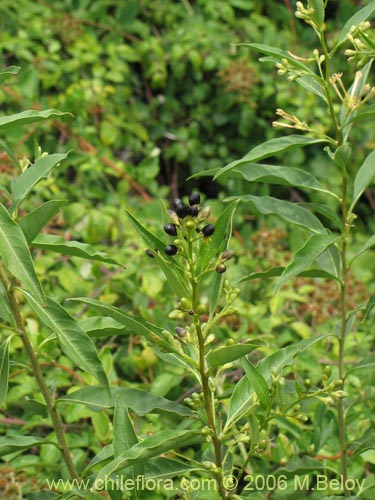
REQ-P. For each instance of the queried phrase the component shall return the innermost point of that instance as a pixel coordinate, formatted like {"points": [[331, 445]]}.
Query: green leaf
{"points": [[97, 326], [226, 354], [76, 344], [366, 363], [311, 84], [16, 255], [173, 278], [5, 311], [12, 443], [358, 17], [318, 16], [284, 176], [242, 396], [369, 243], [306, 256], [304, 465], [139, 401], [72, 248], [257, 383], [4, 370], [32, 223], [23, 184], [364, 177], [124, 437], [271, 148], [137, 325], [159, 443], [290, 212], [10, 70], [328, 213], [364, 443], [273, 272], [27, 117], [369, 307], [278, 55]]}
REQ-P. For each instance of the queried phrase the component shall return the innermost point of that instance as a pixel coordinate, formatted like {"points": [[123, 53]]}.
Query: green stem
{"points": [[207, 394], [50, 403]]}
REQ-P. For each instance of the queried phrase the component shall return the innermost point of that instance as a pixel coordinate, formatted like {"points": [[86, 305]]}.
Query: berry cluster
{"points": [[185, 218]]}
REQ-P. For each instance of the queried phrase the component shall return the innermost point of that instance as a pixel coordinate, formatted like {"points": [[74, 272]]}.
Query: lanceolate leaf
{"points": [[76, 344], [312, 85], [271, 148], [72, 248], [358, 17], [23, 184], [369, 243], [257, 382], [136, 325], [306, 256], [124, 437], [243, 393], [10, 70], [168, 269], [277, 174], [98, 326], [139, 401], [16, 255], [35, 221], [12, 443], [364, 177], [290, 212], [4, 370], [225, 354], [152, 446], [5, 312], [278, 55], [27, 117]]}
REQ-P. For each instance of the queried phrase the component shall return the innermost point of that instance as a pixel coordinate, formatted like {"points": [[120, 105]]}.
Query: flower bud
{"points": [[226, 255]]}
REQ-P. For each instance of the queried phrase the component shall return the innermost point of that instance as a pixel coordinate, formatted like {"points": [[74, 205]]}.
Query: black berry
{"points": [[182, 210], [177, 201], [193, 211], [208, 230], [171, 249], [171, 229], [194, 199], [149, 253]]}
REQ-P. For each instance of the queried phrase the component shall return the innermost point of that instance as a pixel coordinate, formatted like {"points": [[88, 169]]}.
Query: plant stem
{"points": [[51, 407], [207, 395]]}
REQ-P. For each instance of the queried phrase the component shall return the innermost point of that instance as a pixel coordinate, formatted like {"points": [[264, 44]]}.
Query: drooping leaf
{"points": [[306, 256], [369, 243], [257, 382], [225, 354], [313, 85], [16, 255], [27, 117], [364, 177], [72, 248], [139, 401], [243, 393], [24, 183], [275, 272], [15, 442], [369, 306], [4, 370], [271, 148], [173, 278], [32, 223], [290, 212], [76, 344], [356, 19], [278, 174], [159, 443]]}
